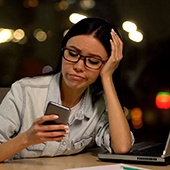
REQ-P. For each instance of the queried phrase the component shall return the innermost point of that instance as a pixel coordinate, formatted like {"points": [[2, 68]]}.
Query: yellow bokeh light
{"points": [[87, 4], [5, 35], [75, 17], [40, 35], [129, 26], [63, 5], [18, 34], [133, 33], [135, 36]]}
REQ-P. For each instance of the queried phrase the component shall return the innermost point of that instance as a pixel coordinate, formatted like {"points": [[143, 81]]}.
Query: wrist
{"points": [[24, 139], [106, 77]]}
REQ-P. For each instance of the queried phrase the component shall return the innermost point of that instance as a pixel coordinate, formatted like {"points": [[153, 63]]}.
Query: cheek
{"points": [[93, 76], [64, 66]]}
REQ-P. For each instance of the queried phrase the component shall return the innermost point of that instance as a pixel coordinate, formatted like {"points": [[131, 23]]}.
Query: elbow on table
{"points": [[122, 149]]}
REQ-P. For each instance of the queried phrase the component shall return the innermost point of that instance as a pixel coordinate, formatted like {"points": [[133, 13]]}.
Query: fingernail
{"points": [[67, 131], [55, 116], [66, 127]]}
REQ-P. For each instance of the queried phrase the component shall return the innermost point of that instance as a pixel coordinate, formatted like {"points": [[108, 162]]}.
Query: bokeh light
{"points": [[135, 36], [5, 35], [18, 35], [47, 69], [30, 3], [162, 100], [129, 26], [87, 4], [136, 118], [75, 17], [40, 35], [133, 33]]}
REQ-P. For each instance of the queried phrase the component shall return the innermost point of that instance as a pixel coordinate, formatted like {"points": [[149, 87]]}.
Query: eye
{"points": [[93, 61], [73, 53]]}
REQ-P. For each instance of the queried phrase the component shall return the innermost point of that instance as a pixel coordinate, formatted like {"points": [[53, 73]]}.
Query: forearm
{"points": [[36, 134], [13, 146], [119, 127]]}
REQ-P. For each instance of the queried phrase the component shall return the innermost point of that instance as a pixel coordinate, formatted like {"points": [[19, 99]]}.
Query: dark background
{"points": [[146, 65]]}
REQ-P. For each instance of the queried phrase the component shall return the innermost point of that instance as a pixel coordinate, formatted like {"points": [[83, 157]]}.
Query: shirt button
{"points": [[64, 142]]}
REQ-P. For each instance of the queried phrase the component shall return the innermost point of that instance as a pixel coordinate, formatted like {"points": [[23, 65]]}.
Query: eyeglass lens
{"points": [[89, 61]]}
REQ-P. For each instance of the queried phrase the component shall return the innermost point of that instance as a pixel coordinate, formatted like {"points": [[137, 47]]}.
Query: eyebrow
{"points": [[79, 51]]}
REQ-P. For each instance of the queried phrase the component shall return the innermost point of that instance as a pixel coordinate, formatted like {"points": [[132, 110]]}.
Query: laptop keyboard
{"points": [[156, 150]]}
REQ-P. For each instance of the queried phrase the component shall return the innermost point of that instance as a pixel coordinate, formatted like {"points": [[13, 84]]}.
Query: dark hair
{"points": [[100, 29]]}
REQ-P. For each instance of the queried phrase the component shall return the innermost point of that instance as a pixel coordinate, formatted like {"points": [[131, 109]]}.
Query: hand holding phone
{"points": [[62, 112]]}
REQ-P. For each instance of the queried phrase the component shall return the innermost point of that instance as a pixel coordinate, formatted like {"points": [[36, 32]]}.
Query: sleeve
{"points": [[10, 113], [102, 138]]}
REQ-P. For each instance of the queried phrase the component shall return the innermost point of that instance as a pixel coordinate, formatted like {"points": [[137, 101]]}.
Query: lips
{"points": [[75, 77]]}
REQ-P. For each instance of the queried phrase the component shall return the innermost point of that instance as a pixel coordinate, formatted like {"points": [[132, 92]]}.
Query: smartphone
{"points": [[62, 111]]}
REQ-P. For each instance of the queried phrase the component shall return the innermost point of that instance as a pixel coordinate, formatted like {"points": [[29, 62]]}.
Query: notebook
{"points": [[143, 153]]}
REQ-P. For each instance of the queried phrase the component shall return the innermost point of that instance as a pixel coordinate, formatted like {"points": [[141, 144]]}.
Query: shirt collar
{"points": [[54, 89], [54, 95]]}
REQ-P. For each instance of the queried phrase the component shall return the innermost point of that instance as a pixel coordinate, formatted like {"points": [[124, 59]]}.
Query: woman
{"points": [[90, 54]]}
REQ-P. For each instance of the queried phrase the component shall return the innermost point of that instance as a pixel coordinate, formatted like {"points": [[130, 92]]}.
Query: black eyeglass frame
{"points": [[83, 57]]}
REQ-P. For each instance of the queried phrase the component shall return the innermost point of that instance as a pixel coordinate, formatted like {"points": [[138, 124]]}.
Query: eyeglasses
{"points": [[92, 62]]}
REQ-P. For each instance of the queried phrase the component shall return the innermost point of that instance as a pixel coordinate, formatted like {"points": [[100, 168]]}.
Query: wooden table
{"points": [[64, 162]]}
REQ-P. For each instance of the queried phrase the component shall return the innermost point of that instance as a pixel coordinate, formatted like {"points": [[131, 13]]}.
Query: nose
{"points": [[79, 66]]}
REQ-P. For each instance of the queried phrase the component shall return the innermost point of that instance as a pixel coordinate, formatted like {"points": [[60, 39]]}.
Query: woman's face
{"points": [[77, 75]]}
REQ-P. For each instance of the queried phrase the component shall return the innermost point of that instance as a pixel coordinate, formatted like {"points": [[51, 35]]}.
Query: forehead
{"points": [[87, 44]]}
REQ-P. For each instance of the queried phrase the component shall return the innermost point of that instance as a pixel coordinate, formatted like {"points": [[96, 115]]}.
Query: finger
{"points": [[116, 39], [116, 45], [51, 135], [58, 139], [61, 127], [46, 118], [114, 50]]}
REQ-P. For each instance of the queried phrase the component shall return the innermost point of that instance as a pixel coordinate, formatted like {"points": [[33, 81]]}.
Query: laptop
{"points": [[143, 153]]}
